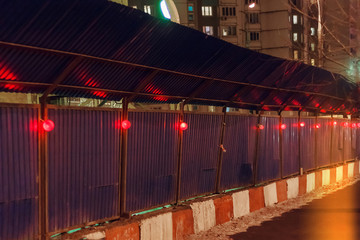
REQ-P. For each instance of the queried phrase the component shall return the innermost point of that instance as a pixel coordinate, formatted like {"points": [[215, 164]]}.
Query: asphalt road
{"points": [[336, 216]]}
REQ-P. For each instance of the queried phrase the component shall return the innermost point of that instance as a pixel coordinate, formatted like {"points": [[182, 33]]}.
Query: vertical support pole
{"points": [[256, 149], [299, 142], [331, 139], [221, 153], [316, 141], [43, 173], [123, 167], [179, 160], [280, 147]]}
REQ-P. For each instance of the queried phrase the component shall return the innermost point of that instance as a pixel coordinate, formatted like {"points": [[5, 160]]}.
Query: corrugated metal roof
{"points": [[122, 48]]}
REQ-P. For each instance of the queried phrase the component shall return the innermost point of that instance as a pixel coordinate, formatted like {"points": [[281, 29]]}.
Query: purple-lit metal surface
{"points": [[268, 165], [200, 154], [337, 149], [347, 142], [307, 144], [18, 173], [114, 40], [83, 166], [290, 146], [323, 142], [353, 139], [239, 143], [152, 159]]}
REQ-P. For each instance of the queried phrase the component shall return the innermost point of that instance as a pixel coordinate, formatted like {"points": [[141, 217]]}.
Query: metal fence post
{"points": [[221, 153], [123, 166], [43, 173], [280, 147], [256, 150], [299, 142], [179, 159]]}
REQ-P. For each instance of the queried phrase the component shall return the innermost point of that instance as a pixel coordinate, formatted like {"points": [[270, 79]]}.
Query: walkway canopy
{"points": [[100, 49]]}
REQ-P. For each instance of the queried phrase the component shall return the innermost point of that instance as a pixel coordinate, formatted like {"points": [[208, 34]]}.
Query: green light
{"points": [[165, 10], [55, 235], [74, 230]]}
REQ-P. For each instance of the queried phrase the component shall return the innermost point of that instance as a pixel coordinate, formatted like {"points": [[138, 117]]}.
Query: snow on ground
{"points": [[265, 214]]}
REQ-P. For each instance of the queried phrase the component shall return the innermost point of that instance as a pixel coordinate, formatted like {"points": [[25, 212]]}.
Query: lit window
{"points": [[312, 46], [312, 62], [147, 9], [253, 17], [253, 36], [312, 29], [209, 30], [295, 19], [296, 54], [190, 8], [229, 31], [295, 37], [206, 10], [134, 7]]}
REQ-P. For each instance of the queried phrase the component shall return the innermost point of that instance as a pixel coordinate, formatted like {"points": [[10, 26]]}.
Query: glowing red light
{"points": [[358, 125], [283, 126], [318, 125], [261, 127], [183, 126], [126, 124], [48, 125], [334, 123], [353, 125], [252, 5], [302, 124], [345, 124]]}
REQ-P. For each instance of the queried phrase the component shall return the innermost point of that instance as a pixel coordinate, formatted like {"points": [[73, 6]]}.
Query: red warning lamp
{"points": [[261, 127], [302, 124], [345, 124], [317, 126], [334, 123], [48, 125], [283, 126], [126, 124], [183, 126], [358, 125], [353, 125]]}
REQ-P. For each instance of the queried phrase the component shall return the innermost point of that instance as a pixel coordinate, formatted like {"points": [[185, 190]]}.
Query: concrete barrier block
{"points": [[204, 215], [126, 232], [351, 170], [159, 227], [332, 175], [270, 194], [302, 184], [345, 171], [318, 179], [241, 203], [95, 236], [292, 187], [257, 200], [223, 209], [325, 177], [310, 182], [183, 223], [281, 189], [339, 173]]}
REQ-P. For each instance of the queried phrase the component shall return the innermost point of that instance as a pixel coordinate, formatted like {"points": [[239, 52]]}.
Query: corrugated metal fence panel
{"points": [[347, 142], [18, 173], [337, 142], [200, 154], [83, 167], [290, 146], [239, 142], [307, 144], [152, 159], [268, 166], [353, 140], [323, 143]]}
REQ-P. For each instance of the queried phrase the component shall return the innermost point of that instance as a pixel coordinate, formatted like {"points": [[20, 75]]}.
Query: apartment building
{"points": [[316, 32]]}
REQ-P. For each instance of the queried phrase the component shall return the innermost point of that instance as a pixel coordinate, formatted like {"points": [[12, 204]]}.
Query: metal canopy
{"points": [[100, 49]]}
